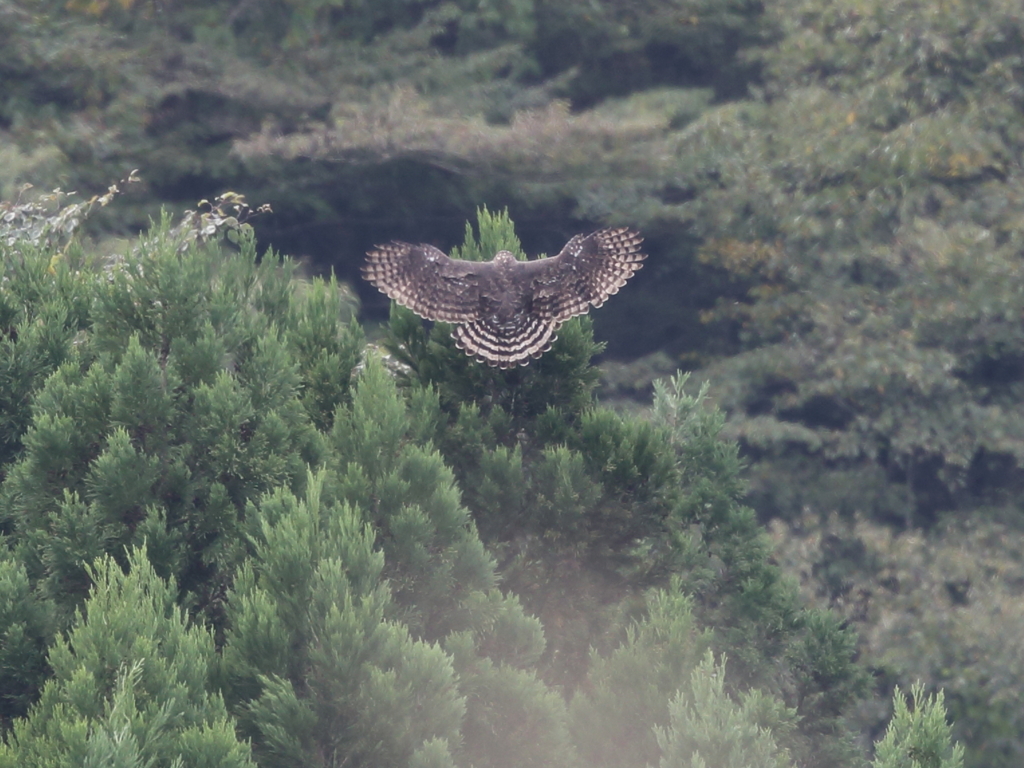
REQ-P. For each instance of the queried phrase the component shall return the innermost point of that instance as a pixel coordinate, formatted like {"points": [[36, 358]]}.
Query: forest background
{"points": [[831, 194]]}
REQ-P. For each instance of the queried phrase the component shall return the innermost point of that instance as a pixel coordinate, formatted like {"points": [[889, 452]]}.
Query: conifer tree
{"points": [[317, 672], [27, 624], [189, 387], [40, 314], [435, 558], [918, 738], [181, 403], [560, 490], [418, 564], [586, 508], [615, 717], [200, 386], [708, 729], [328, 631], [130, 685]]}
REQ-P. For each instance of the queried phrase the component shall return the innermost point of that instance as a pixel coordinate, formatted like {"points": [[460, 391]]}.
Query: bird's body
{"points": [[506, 311]]}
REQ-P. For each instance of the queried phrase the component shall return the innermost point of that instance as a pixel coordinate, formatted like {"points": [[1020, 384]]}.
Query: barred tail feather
{"points": [[489, 345]]}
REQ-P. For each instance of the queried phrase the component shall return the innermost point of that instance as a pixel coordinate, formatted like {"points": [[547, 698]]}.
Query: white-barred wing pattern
{"points": [[507, 312]]}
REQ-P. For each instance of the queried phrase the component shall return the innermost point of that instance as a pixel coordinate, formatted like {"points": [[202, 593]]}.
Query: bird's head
{"points": [[504, 257]]}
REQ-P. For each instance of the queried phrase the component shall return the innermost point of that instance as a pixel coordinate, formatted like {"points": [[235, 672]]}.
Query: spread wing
{"points": [[589, 269], [425, 280]]}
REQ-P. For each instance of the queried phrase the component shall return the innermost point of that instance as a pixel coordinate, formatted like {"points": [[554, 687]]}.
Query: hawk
{"points": [[507, 311]]}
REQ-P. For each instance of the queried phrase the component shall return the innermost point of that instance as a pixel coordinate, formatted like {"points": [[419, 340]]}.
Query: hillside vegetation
{"points": [[234, 535], [831, 195]]}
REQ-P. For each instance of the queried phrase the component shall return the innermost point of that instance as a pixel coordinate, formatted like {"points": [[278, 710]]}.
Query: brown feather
{"points": [[507, 312]]}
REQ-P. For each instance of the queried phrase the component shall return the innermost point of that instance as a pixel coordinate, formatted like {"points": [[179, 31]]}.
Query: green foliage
{"points": [[942, 608], [152, 396], [313, 666], [724, 556], [628, 692], [41, 314], [868, 215], [918, 739], [215, 444], [866, 212], [181, 404], [410, 496], [130, 684], [496, 233], [441, 577], [45, 302], [856, 217], [326, 358], [583, 506], [512, 717], [26, 628], [707, 728]]}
